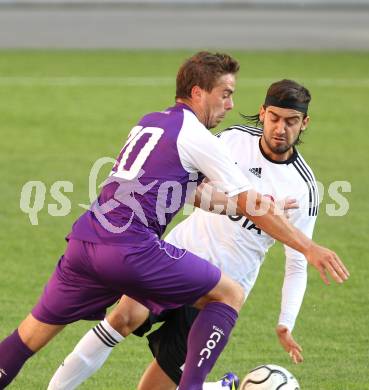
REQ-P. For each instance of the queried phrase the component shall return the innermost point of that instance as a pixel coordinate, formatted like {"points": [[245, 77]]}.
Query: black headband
{"points": [[287, 103]]}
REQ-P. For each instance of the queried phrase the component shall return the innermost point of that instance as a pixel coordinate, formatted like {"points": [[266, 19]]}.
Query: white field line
{"points": [[71, 81]]}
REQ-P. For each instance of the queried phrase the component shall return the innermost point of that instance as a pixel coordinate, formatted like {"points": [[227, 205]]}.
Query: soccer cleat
{"points": [[230, 381]]}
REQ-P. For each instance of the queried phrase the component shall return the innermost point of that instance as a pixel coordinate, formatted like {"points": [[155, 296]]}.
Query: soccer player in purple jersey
{"points": [[115, 248]]}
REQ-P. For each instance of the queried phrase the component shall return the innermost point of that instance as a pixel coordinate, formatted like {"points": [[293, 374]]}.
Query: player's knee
{"points": [[230, 292], [127, 316], [236, 296], [226, 291], [122, 322]]}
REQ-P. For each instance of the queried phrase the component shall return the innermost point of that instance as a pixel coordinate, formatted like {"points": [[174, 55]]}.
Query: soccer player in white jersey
{"points": [[233, 243]]}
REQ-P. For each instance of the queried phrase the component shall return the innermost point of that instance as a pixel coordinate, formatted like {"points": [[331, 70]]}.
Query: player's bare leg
{"points": [[127, 316], [154, 378], [18, 347], [227, 291], [95, 347], [36, 334]]}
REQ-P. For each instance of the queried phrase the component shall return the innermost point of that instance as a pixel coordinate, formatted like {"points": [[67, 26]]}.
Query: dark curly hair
{"points": [[282, 90]]}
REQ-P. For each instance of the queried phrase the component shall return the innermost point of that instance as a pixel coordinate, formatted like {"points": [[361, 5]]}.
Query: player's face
{"points": [[219, 101], [282, 127]]}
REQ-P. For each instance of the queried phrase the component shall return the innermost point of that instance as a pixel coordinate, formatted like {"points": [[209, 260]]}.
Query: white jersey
{"points": [[200, 151], [236, 245]]}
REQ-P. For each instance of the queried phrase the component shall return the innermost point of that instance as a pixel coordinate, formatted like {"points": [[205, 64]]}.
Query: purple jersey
{"points": [[114, 248], [149, 181]]}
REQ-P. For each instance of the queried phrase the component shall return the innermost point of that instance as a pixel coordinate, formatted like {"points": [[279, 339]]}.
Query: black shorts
{"points": [[168, 344]]}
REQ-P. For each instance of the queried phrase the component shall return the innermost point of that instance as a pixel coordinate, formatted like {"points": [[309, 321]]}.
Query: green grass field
{"points": [[61, 111]]}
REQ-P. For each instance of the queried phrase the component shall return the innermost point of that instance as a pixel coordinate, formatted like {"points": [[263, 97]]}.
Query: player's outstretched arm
{"points": [[263, 212]]}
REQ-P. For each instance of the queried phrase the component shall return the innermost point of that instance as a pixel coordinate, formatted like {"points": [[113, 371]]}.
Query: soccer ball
{"points": [[269, 377]]}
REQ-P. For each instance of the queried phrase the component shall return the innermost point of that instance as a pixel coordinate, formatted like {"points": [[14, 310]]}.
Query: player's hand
{"points": [[286, 205], [289, 344], [327, 261]]}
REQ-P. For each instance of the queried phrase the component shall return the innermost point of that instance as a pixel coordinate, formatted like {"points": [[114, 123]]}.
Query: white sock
{"points": [[87, 357], [212, 386]]}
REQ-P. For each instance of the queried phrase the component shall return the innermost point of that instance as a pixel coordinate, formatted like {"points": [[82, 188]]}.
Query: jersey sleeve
{"points": [[199, 150], [295, 278]]}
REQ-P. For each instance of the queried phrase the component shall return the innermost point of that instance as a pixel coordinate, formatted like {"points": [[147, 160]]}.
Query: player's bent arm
{"points": [[268, 217], [264, 213], [254, 206], [208, 198]]}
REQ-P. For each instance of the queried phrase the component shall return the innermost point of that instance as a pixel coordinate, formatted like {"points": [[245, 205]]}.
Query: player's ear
{"points": [[196, 93], [305, 123], [261, 113]]}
